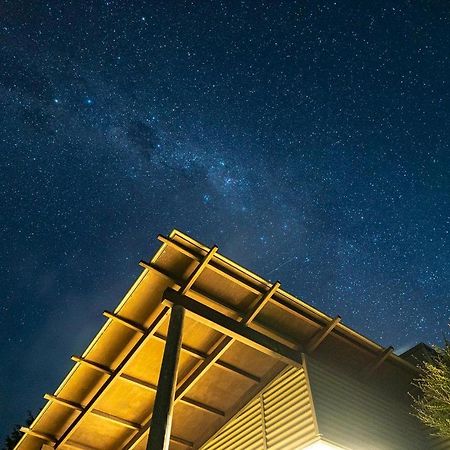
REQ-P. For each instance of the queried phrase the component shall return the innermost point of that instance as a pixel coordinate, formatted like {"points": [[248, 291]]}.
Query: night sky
{"points": [[309, 140]]}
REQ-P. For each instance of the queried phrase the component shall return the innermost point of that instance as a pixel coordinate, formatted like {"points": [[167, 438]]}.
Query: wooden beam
{"points": [[50, 441], [185, 400], [117, 420], [45, 437], [198, 270], [223, 344], [223, 365], [285, 301], [186, 348], [126, 322], [160, 316], [232, 328], [63, 402], [97, 412], [162, 414], [377, 363], [318, 338], [259, 303], [217, 304], [94, 365], [216, 268]]}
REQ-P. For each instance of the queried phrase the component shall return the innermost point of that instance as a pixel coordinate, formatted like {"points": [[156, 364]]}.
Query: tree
{"points": [[14, 437], [432, 407]]}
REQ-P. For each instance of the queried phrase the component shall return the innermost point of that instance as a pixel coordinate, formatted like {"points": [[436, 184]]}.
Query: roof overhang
{"points": [[239, 333]]}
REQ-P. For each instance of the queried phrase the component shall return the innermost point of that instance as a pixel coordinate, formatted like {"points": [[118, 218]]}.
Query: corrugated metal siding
{"points": [[243, 432], [279, 418], [357, 416]]}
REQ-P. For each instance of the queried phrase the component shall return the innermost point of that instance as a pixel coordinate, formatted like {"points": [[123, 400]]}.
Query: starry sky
{"points": [[308, 139]]}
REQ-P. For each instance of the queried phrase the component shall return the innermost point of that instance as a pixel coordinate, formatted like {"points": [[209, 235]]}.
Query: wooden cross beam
{"points": [[232, 328], [223, 343], [185, 348], [185, 400]]}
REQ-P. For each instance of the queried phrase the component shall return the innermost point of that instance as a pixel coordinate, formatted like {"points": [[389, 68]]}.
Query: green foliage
{"points": [[14, 437], [433, 406]]}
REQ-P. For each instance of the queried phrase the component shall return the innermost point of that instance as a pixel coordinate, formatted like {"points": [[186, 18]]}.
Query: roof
{"points": [[239, 333]]}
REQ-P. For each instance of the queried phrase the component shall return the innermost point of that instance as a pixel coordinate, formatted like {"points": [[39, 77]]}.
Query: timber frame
{"points": [[231, 337]]}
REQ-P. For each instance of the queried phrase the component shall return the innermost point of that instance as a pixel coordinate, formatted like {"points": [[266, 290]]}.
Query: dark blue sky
{"points": [[309, 140]]}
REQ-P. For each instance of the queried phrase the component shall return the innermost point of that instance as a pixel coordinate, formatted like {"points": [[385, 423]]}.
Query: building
{"points": [[207, 355]]}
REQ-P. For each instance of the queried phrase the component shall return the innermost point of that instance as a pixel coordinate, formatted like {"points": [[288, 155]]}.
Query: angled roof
{"points": [[106, 400]]}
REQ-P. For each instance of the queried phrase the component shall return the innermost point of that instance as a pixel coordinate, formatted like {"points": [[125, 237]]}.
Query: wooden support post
{"points": [[159, 438]]}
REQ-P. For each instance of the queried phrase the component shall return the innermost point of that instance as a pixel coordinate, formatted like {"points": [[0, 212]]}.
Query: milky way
{"points": [[310, 141]]}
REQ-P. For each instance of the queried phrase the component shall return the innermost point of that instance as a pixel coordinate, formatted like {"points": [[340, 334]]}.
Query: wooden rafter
{"points": [[198, 270], [318, 338], [185, 400], [230, 327], [117, 420], [126, 322], [378, 361], [283, 301], [78, 407], [61, 401], [90, 406], [93, 364], [112, 375], [186, 348], [220, 346], [218, 304], [223, 344], [183, 288], [44, 437], [215, 267]]}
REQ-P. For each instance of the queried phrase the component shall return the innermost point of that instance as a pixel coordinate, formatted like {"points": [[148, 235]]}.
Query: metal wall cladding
{"points": [[357, 416], [279, 418]]}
